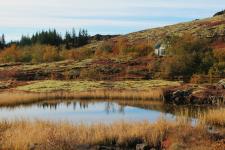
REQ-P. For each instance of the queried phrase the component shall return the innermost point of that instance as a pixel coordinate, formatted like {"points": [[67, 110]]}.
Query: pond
{"points": [[93, 111]]}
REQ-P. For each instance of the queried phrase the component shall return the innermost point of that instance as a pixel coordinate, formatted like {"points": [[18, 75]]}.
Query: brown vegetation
{"points": [[46, 135], [17, 97], [214, 117]]}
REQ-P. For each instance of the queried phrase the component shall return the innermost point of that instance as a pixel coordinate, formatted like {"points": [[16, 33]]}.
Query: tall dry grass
{"points": [[42, 135], [213, 117], [45, 135], [18, 97]]}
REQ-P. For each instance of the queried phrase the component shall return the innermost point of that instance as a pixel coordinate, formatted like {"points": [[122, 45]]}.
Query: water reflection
{"points": [[110, 107], [92, 111]]}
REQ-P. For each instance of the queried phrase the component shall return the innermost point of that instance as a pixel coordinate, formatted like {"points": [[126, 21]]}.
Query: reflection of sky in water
{"points": [[105, 112]]}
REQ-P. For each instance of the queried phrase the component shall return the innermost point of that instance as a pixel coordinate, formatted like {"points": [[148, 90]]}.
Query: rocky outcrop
{"points": [[221, 84], [196, 94]]}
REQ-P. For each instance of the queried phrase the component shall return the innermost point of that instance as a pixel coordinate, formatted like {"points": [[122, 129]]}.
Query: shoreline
{"points": [[168, 92]]}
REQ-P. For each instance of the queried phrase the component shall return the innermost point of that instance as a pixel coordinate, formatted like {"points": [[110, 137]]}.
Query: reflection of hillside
{"points": [[144, 104], [191, 111]]}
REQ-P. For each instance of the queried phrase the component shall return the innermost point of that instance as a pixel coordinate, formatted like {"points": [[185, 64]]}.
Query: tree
{"points": [[25, 40], [68, 40], [82, 37], [74, 39], [50, 37], [53, 38], [2, 41]]}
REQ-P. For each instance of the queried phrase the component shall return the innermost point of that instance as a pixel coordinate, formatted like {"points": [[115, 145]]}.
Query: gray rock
{"points": [[221, 84], [142, 146], [83, 147], [32, 146]]}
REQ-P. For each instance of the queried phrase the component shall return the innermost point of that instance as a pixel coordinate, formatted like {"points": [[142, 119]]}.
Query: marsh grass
{"points": [[19, 97], [47, 135], [213, 117]]}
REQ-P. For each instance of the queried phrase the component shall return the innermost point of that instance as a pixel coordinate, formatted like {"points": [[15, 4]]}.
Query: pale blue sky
{"points": [[99, 16]]}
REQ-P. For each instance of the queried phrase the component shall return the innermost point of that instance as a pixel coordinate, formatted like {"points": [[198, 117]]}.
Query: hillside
{"points": [[101, 60], [211, 28]]}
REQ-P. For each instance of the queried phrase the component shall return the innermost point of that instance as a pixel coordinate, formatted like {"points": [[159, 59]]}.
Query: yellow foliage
{"points": [[10, 54], [219, 54], [50, 54]]}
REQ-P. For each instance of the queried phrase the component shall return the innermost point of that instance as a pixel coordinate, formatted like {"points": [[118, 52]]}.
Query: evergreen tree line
{"points": [[52, 37], [2, 41]]}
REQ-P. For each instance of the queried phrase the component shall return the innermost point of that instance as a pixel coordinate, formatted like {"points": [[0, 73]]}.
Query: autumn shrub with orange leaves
{"points": [[218, 68], [10, 54], [35, 53]]}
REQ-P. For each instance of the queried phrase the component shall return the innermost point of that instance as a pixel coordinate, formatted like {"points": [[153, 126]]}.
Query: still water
{"points": [[86, 111]]}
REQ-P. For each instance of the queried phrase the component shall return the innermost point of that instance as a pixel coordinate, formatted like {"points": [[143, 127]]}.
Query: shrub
{"points": [[91, 73], [107, 46], [144, 49], [10, 54], [219, 54], [188, 56], [50, 54]]}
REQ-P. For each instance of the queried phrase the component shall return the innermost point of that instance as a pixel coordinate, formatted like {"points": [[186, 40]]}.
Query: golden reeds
{"points": [[43, 135], [18, 97], [46, 135], [213, 117]]}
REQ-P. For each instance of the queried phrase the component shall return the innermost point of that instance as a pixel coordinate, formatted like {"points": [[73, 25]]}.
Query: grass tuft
{"points": [[213, 117]]}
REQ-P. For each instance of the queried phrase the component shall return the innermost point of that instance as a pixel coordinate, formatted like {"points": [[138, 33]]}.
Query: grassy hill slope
{"points": [[211, 28], [111, 66]]}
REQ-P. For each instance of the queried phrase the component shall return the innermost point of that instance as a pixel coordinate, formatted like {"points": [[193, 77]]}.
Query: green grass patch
{"points": [[79, 86]]}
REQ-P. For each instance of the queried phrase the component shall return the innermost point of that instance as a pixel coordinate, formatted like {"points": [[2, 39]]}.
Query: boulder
{"points": [[142, 146], [180, 97], [82, 147], [221, 84], [32, 146]]}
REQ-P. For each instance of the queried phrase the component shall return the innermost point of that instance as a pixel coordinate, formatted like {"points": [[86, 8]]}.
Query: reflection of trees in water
{"points": [[111, 107], [56, 104], [83, 105], [49, 106], [74, 105]]}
